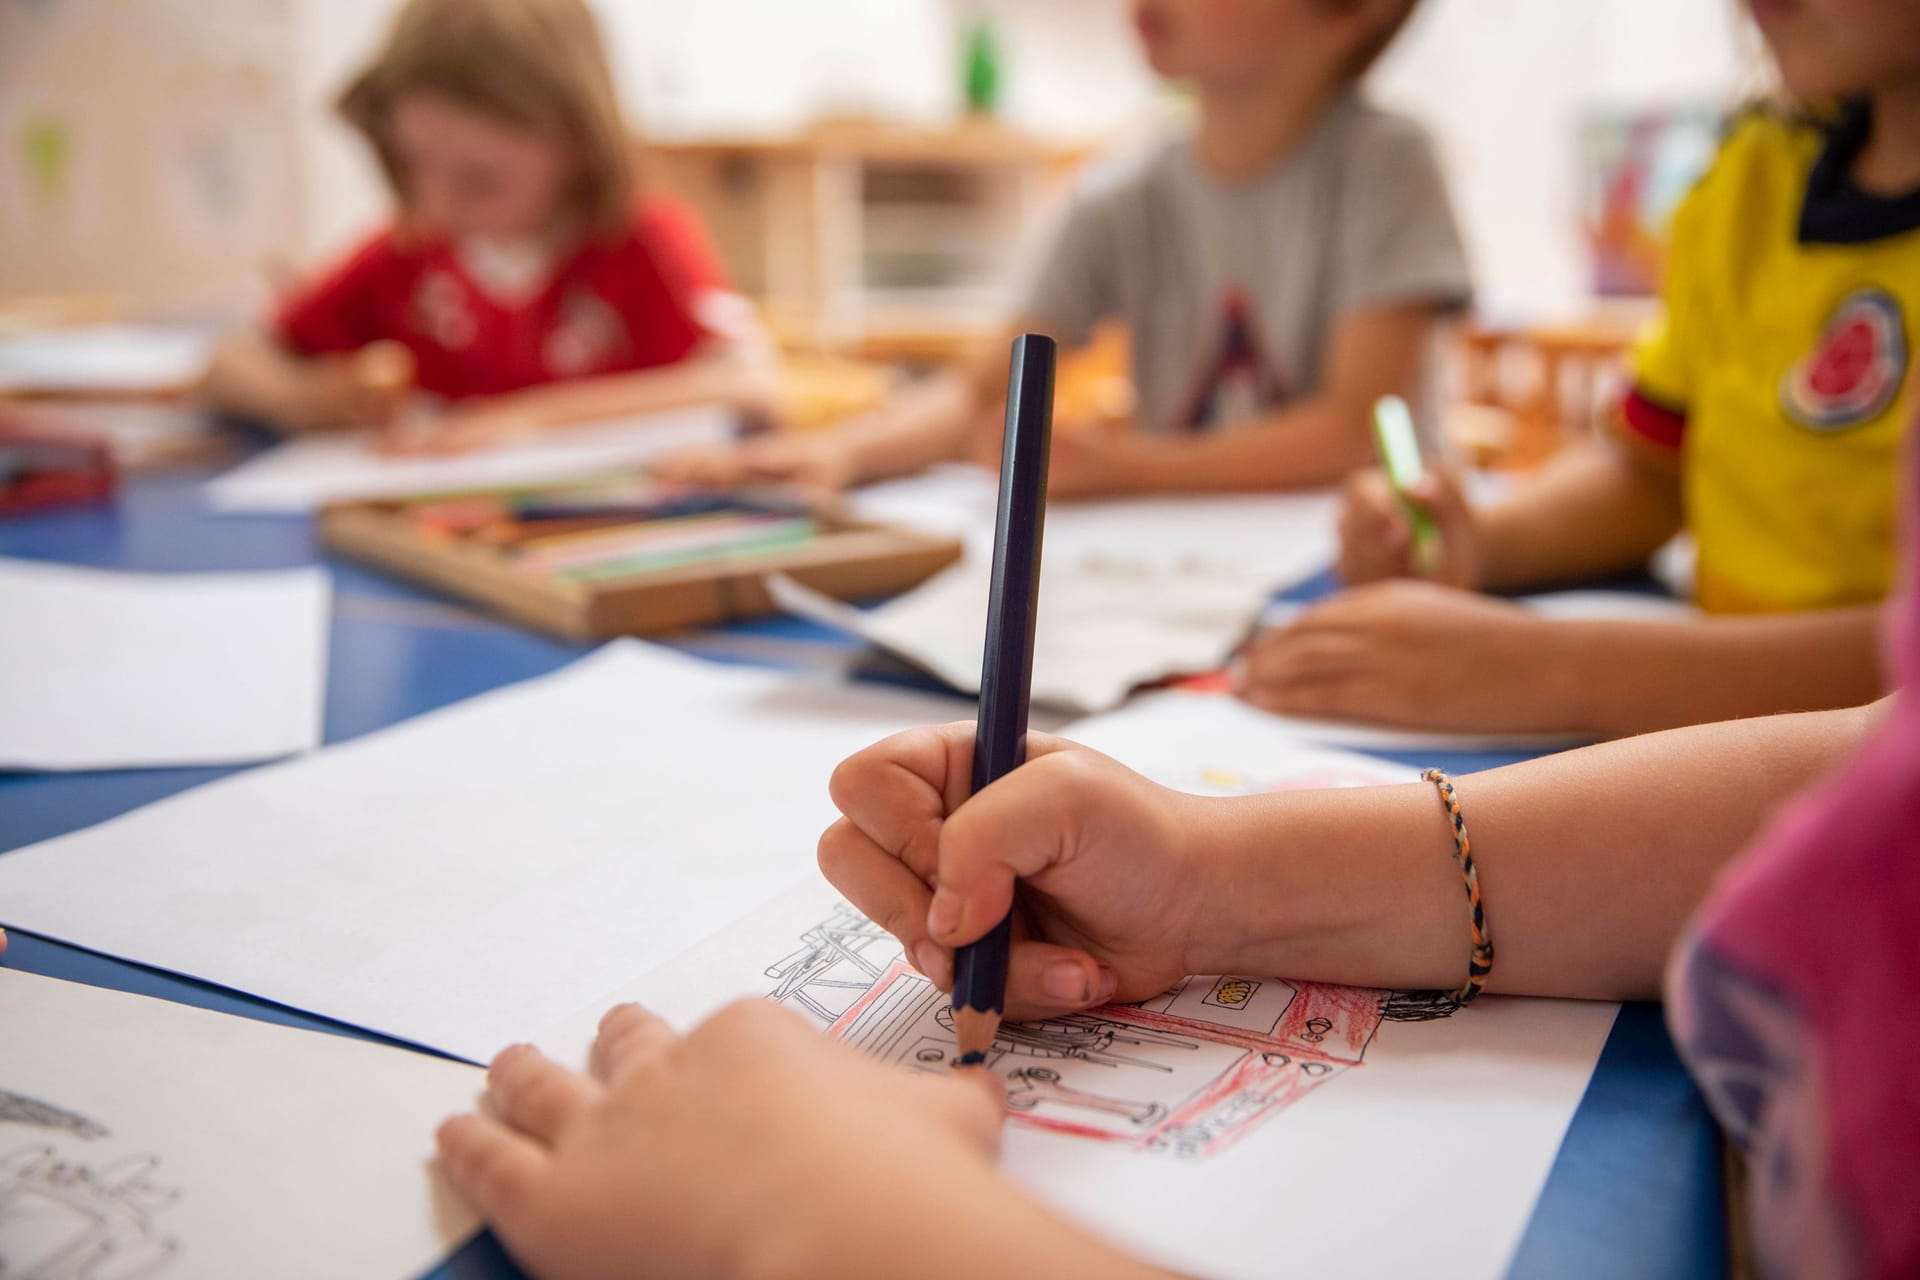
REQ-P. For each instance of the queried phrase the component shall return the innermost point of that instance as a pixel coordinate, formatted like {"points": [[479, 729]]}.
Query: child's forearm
{"points": [[1636, 677], [249, 377], [1594, 510], [1316, 442], [931, 421], [733, 374], [1590, 862]]}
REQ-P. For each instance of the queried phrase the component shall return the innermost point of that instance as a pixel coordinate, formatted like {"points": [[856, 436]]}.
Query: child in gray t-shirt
{"points": [[1278, 267], [1232, 292]]}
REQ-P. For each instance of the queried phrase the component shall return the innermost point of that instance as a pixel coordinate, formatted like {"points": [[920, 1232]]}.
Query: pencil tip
{"points": [[973, 1035]]}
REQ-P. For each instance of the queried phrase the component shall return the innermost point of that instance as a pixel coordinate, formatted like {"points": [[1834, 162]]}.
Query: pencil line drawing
{"points": [[67, 1220], [834, 965], [18, 1108], [1186, 1074]]}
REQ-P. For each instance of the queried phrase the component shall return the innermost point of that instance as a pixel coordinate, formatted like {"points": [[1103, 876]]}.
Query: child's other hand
{"points": [[1376, 534], [815, 460], [1111, 889], [752, 1145], [366, 389], [1420, 655]]}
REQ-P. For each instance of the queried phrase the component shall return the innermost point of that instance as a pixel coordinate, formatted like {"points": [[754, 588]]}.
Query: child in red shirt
{"points": [[523, 281]]}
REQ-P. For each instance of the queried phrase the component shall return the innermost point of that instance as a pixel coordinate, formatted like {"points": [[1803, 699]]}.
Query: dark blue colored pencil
{"points": [[1006, 672]]}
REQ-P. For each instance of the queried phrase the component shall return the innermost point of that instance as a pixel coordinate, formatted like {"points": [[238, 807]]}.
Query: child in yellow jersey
{"points": [[1766, 410], [1778, 378]]}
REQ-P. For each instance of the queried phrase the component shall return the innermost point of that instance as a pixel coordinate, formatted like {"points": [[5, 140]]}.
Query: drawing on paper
{"points": [[17, 1108], [838, 961], [67, 1220], [1187, 1073]]}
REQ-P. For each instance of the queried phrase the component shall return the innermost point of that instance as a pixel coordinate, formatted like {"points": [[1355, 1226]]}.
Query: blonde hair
{"points": [[538, 65]]}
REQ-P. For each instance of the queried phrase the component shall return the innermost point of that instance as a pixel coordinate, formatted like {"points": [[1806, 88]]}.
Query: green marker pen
{"points": [[1399, 448]]}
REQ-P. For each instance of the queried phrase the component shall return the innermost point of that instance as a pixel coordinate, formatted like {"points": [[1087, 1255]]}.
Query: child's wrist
{"points": [[1555, 662], [1248, 856], [1350, 885]]}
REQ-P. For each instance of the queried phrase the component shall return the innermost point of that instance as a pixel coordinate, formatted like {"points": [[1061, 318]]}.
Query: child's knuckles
{"points": [[748, 1022], [491, 1172], [1074, 775], [544, 1099], [977, 1101], [837, 847], [904, 920]]}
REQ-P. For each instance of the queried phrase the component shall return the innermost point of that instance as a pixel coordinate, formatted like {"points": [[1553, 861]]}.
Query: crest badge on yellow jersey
{"points": [[1855, 371]]}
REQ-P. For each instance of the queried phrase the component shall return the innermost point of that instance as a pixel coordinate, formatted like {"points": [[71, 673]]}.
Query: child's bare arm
{"points": [[252, 376], [1589, 861], [1599, 508], [1371, 654], [728, 373], [1641, 676], [949, 415], [1315, 441]]}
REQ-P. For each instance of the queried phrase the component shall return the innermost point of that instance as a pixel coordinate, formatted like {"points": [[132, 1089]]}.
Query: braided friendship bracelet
{"points": [[1480, 963]]}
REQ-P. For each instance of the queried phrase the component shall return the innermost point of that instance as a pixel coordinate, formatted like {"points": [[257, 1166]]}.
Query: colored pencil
{"points": [[1006, 672], [1399, 448], [749, 541]]}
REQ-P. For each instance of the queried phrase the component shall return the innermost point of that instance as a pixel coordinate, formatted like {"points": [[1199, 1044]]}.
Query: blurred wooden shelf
{"points": [[870, 238]]}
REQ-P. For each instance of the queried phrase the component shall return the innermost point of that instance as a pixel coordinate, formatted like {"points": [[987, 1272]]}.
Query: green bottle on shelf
{"points": [[982, 81]]}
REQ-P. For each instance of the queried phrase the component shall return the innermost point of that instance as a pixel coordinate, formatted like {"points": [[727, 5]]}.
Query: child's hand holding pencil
{"points": [[1378, 534], [1113, 886]]}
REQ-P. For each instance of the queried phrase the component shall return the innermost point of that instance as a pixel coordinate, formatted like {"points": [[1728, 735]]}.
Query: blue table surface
{"points": [[1634, 1191]]}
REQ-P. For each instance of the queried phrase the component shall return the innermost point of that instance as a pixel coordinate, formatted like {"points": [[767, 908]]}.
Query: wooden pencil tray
{"points": [[850, 560]]}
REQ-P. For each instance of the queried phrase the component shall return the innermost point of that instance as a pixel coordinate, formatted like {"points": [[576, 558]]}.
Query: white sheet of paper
{"points": [[1278, 538], [107, 670], [307, 473], [1625, 606], [469, 876], [112, 358], [1103, 630], [144, 1138], [1406, 1148]]}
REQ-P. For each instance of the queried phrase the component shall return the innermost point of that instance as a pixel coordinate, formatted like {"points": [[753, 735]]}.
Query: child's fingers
{"points": [[887, 892], [975, 1102], [536, 1095], [1334, 696], [1438, 490], [1375, 533], [1044, 980], [899, 790], [1289, 656], [629, 1038], [1441, 496], [1016, 828], [498, 1170]]}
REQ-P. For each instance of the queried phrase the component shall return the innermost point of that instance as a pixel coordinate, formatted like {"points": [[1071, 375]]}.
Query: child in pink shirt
{"points": [[1793, 996]]}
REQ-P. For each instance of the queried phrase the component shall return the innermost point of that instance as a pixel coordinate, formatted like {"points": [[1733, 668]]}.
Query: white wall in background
{"points": [[1501, 82]]}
